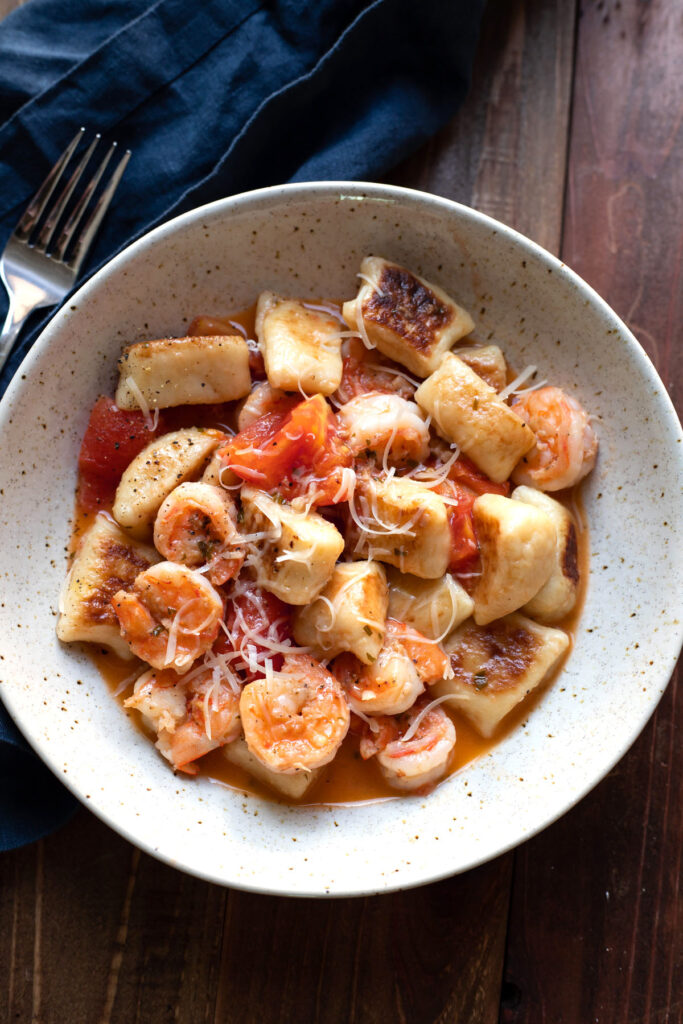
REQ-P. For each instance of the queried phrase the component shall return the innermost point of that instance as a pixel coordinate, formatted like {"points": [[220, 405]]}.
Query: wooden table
{"points": [[571, 133]]}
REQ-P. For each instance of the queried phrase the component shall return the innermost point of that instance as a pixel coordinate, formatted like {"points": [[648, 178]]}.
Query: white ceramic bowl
{"points": [[308, 240]]}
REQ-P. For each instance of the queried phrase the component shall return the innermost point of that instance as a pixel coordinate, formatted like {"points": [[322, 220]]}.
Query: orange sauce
{"points": [[347, 779]]}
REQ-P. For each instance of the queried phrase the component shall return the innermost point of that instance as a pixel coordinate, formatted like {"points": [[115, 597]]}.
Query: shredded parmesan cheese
{"points": [[373, 284], [298, 556], [436, 475], [394, 372], [362, 330], [125, 683], [150, 422], [347, 486], [513, 388], [416, 723], [371, 722], [228, 487]]}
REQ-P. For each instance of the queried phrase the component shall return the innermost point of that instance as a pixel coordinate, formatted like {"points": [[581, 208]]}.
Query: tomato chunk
{"points": [[464, 485], [295, 453], [365, 371], [254, 610], [112, 439], [464, 548], [94, 493], [465, 472]]}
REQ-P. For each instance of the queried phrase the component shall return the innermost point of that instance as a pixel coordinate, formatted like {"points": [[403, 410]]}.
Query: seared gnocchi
{"points": [[305, 534]]}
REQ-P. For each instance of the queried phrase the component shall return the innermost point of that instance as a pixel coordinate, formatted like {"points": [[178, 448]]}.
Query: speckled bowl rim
{"points": [[259, 199]]}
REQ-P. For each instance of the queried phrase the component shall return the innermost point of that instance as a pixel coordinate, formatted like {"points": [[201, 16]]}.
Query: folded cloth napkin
{"points": [[213, 98]]}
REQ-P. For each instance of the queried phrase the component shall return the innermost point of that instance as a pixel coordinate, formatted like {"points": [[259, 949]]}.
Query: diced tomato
{"points": [[94, 493], [465, 472], [465, 484], [210, 326], [327, 469], [464, 547], [365, 371], [291, 453], [112, 439], [260, 612], [261, 453]]}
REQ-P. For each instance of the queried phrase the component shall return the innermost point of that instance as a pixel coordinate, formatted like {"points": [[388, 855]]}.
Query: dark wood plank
{"points": [[413, 956], [595, 925], [505, 152], [94, 931], [625, 186]]}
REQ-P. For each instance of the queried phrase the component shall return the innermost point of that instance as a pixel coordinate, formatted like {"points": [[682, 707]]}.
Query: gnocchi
{"points": [[317, 559]]}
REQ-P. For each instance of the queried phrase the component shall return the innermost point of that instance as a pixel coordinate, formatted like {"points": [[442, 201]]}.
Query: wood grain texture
{"points": [[595, 924], [505, 152], [624, 212], [414, 956], [610, 950], [93, 931]]}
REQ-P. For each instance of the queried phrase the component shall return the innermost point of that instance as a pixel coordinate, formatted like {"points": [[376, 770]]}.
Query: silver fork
{"points": [[35, 269]]}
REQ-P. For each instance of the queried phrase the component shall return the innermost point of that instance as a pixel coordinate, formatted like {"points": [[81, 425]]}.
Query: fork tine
{"points": [[74, 220], [35, 208], [89, 231], [55, 214]]}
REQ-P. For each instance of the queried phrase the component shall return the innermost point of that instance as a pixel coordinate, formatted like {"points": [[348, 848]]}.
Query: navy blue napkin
{"points": [[213, 98]]}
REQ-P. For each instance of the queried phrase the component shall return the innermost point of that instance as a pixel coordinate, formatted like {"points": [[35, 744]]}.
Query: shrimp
{"points": [[566, 446], [195, 526], [170, 617], [295, 720], [406, 663], [388, 425], [190, 716], [413, 749]]}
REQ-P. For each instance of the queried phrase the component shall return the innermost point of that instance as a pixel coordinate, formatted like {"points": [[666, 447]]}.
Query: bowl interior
{"points": [[308, 241]]}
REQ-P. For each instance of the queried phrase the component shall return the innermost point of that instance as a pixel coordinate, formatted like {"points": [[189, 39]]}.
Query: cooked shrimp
{"points": [[406, 663], [190, 717], [296, 719], [412, 750], [170, 617], [566, 446], [387, 425], [195, 526], [160, 698]]}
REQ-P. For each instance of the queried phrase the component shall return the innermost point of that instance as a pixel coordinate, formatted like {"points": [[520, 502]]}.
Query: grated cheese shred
{"points": [[418, 720], [151, 422], [513, 388]]}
